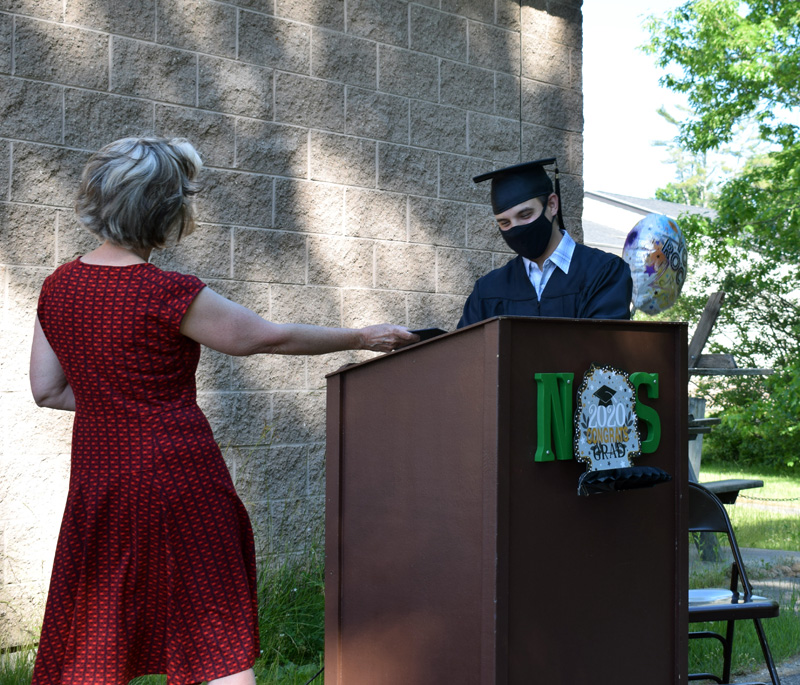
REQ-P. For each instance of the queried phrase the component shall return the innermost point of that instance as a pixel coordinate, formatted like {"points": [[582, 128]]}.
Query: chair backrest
{"points": [[708, 515]]}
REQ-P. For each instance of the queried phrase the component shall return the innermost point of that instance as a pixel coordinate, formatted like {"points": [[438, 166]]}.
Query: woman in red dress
{"points": [[155, 566]]}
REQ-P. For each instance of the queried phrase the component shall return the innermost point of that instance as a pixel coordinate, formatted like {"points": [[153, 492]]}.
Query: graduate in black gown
{"points": [[552, 275]]}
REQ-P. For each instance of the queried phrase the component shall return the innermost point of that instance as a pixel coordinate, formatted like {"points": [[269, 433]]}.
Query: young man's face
{"points": [[528, 211]]}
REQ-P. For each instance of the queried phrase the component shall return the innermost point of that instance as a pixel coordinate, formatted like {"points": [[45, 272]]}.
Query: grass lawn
{"points": [[762, 518]]}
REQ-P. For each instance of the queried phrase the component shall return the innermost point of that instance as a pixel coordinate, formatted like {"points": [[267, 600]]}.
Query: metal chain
{"points": [[770, 499]]}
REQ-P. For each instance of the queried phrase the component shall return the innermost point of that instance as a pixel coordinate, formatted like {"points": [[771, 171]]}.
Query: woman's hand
{"points": [[385, 337]]}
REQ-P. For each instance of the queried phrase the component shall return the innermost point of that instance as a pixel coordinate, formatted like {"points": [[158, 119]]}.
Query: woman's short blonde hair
{"points": [[137, 192]]}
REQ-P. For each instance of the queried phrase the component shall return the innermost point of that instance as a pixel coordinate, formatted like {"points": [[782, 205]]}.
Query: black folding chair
{"points": [[707, 514]]}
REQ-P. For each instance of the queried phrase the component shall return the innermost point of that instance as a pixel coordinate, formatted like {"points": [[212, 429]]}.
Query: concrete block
{"points": [[439, 310], [34, 484], [206, 253], [375, 214], [6, 40], [197, 25], [551, 106], [315, 460], [213, 371], [535, 19], [341, 263], [307, 305], [94, 119], [235, 198], [293, 527], [309, 206], [384, 21], [5, 169], [400, 266], [576, 70], [154, 72], [575, 155], [321, 365], [565, 24], [293, 94], [467, 87], [134, 18], [339, 57], [546, 61], [329, 15], [508, 14], [52, 10], [482, 230], [251, 415], [457, 270], [342, 159], [263, 6], [299, 417], [268, 372], [269, 148], [21, 612], [15, 352], [438, 33], [27, 235], [455, 178], [473, 9], [367, 307], [30, 110], [274, 42], [407, 73], [272, 473], [271, 256], [252, 295], [436, 222], [61, 54], [407, 169], [216, 406], [493, 47], [213, 134], [72, 239], [370, 114], [493, 137], [46, 175], [539, 142], [506, 96], [29, 550], [234, 87], [33, 430], [438, 127]]}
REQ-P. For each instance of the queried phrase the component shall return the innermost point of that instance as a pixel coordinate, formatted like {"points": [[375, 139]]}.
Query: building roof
{"points": [[608, 217]]}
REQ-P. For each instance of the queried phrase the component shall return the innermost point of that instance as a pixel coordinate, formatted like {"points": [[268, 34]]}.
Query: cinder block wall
{"points": [[340, 137]]}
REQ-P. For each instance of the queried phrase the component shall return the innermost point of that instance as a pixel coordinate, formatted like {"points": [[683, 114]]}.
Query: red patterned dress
{"points": [[155, 565]]}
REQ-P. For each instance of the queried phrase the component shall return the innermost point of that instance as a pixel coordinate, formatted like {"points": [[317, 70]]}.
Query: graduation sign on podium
{"points": [[458, 548]]}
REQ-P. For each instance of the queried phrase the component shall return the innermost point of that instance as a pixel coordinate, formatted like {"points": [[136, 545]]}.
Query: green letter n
{"points": [[553, 416]]}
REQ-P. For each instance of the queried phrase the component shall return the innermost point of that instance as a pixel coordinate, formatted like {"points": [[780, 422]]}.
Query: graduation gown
{"points": [[598, 286]]}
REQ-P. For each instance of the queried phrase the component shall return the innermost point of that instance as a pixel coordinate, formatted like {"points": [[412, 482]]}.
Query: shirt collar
{"points": [[562, 255]]}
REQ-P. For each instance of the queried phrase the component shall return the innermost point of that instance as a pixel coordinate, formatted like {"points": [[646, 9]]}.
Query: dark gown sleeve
{"points": [[473, 312], [608, 295]]}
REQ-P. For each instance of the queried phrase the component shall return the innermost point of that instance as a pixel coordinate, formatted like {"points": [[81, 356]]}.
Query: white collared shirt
{"points": [[561, 258]]}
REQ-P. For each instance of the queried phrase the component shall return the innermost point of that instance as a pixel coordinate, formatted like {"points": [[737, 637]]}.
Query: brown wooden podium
{"points": [[454, 557]]}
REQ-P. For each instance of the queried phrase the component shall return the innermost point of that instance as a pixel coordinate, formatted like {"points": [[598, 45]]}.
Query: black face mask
{"points": [[530, 240]]}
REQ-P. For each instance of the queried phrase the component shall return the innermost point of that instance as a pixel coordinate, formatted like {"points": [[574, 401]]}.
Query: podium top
{"points": [[522, 321]]}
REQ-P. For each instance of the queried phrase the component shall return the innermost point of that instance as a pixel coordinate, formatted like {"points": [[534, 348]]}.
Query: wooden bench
{"points": [[715, 365]]}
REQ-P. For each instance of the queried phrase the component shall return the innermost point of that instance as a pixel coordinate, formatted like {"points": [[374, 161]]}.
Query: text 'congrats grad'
{"points": [[552, 275]]}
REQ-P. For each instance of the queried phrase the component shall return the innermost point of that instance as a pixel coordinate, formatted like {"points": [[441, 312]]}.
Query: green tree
{"points": [[740, 63]]}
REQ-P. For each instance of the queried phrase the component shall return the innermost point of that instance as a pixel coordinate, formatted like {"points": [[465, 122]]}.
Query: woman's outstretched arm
{"points": [[225, 326], [49, 385]]}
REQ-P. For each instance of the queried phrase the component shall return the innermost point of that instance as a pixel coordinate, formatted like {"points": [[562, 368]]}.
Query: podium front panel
{"points": [[454, 556]]}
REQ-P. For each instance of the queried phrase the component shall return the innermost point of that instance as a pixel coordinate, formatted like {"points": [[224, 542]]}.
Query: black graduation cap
{"points": [[514, 184], [604, 394]]}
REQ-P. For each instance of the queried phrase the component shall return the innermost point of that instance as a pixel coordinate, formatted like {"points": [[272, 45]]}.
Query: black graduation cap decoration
{"points": [[520, 182], [604, 395]]}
